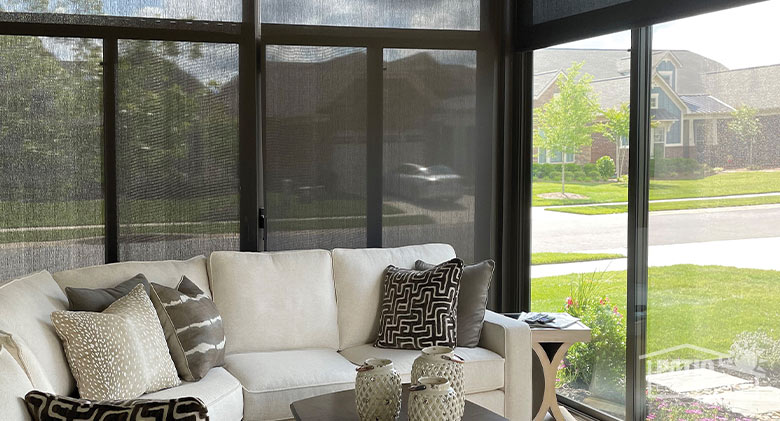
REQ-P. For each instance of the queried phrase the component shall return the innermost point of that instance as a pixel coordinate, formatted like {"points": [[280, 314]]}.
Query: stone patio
{"points": [[692, 380], [751, 402]]}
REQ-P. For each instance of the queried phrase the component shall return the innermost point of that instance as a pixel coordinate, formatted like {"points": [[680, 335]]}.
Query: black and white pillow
{"points": [[419, 307], [47, 407]]}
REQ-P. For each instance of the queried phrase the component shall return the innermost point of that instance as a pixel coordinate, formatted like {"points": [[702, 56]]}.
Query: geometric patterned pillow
{"points": [[47, 407], [193, 328], [419, 307]]}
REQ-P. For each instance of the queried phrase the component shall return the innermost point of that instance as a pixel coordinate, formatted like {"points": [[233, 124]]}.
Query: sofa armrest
{"points": [[511, 339]]}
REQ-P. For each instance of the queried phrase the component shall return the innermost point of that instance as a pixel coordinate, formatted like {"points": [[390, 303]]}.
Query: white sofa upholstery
{"points": [[296, 323]]}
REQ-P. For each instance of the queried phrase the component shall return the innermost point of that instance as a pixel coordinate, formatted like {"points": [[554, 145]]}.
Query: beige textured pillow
{"points": [[117, 354]]}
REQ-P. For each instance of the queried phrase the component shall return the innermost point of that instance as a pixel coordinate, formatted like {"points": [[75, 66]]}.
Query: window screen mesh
{"points": [[547, 10], [216, 10], [177, 149], [315, 147], [423, 14], [429, 148], [51, 156]]}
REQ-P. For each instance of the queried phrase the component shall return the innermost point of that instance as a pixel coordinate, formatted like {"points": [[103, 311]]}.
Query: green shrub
{"points": [[606, 167], [757, 350], [599, 364], [680, 168]]}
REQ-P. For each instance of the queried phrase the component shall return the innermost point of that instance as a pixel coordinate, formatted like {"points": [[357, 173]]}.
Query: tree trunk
{"points": [[617, 159], [563, 175]]}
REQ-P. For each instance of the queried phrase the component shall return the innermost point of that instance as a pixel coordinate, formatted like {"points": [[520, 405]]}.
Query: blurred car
{"points": [[417, 182]]}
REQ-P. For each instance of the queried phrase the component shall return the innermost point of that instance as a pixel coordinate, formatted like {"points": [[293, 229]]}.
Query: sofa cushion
{"points": [[274, 380], [220, 391], [25, 306], [275, 301], [14, 384], [483, 370], [359, 276], [26, 359], [166, 272]]}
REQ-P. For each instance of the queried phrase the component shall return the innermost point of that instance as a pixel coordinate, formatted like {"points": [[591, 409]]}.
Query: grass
{"points": [[665, 206], [551, 258], [722, 184], [706, 306]]}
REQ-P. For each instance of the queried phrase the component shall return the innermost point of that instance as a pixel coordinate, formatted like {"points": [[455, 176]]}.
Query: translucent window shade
{"points": [[51, 156], [177, 149], [421, 14], [547, 10], [429, 148], [315, 146], [214, 10]]}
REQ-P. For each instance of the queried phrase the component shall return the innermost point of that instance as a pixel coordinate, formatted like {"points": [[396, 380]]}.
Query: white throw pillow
{"points": [[120, 353]]}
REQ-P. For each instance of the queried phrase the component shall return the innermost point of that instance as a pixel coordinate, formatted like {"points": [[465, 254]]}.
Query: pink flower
{"points": [[693, 411], [651, 416], [615, 310], [569, 302]]}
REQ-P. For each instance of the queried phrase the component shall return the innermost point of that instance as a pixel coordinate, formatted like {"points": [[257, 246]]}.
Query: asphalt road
{"points": [[565, 232]]}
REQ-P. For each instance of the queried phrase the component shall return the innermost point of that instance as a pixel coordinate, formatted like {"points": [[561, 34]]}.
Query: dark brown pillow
{"points": [[418, 309], [192, 326], [97, 300], [472, 299], [47, 407]]}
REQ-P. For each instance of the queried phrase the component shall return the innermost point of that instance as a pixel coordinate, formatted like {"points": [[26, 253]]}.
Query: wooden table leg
{"points": [[549, 364]]}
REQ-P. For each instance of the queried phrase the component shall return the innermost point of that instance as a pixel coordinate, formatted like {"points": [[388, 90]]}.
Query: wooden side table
{"points": [[550, 346]]}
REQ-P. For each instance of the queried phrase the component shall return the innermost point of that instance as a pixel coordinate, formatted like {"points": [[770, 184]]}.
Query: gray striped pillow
{"points": [[193, 328]]}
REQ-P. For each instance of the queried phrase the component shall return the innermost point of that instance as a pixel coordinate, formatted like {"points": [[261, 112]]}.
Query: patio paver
{"points": [[692, 380], [753, 401]]}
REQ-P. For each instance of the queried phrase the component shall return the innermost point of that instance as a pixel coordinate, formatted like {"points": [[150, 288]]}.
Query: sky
{"points": [[738, 38]]}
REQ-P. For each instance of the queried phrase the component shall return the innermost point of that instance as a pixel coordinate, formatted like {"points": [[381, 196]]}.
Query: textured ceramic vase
{"points": [[441, 361], [378, 391], [432, 399]]}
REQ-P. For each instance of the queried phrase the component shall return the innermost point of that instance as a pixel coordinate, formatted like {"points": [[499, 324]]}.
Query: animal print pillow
{"points": [[419, 307], [47, 407]]}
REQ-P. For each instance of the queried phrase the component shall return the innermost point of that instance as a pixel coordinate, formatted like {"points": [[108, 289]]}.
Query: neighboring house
{"points": [[692, 98]]}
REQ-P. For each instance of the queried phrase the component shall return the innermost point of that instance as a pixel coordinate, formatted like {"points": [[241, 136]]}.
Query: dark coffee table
{"points": [[340, 406]]}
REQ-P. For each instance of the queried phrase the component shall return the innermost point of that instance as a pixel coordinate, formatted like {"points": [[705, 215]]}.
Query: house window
{"points": [[623, 142], [554, 157], [654, 101], [666, 75]]}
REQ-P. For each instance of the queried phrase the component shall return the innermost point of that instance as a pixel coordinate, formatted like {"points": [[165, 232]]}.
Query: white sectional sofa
{"points": [[296, 324]]}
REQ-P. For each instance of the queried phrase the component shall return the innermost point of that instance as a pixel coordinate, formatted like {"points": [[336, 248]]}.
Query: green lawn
{"points": [[706, 306], [664, 206], [722, 184], [551, 258]]}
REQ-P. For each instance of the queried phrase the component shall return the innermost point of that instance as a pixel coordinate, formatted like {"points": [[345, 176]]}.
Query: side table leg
{"points": [[550, 365]]}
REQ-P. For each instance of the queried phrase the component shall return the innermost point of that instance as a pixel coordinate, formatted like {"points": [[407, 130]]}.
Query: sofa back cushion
{"points": [[167, 273], [25, 308], [359, 274], [275, 301]]}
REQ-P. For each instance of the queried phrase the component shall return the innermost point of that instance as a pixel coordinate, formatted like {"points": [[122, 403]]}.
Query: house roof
{"points": [[601, 64], [757, 87], [543, 80], [612, 92], [660, 114], [705, 104]]}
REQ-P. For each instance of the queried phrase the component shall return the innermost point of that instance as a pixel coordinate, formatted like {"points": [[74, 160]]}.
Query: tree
{"points": [[565, 123], [615, 127], [746, 126]]}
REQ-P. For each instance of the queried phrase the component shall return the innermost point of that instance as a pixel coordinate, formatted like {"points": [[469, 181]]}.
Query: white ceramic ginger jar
{"points": [[441, 361], [432, 399]]}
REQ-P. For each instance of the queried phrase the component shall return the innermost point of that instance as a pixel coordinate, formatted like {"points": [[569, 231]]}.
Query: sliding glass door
{"points": [[713, 344]]}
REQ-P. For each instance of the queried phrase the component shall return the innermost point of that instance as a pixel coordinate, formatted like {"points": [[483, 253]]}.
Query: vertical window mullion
{"points": [[110, 63], [374, 145], [638, 206]]}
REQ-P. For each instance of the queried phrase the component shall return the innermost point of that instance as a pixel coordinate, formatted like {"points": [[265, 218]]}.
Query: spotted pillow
{"points": [[117, 354]]}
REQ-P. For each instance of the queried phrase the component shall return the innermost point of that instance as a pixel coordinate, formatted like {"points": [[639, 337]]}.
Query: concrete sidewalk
{"points": [[756, 253], [683, 199]]}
